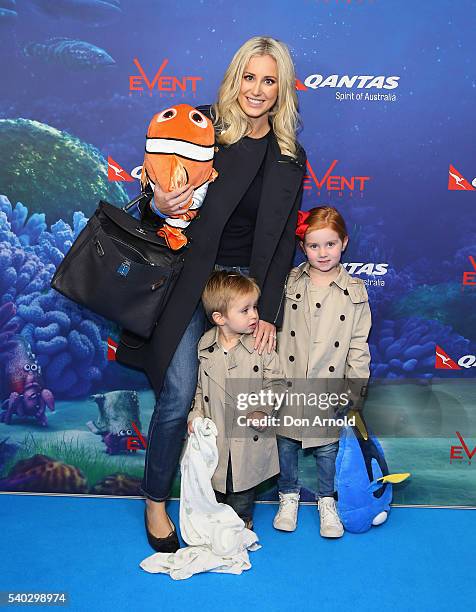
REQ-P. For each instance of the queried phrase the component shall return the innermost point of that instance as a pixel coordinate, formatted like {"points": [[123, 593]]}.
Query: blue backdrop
{"points": [[386, 91]]}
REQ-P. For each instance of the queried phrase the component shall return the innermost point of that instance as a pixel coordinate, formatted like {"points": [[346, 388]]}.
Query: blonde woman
{"points": [[247, 224]]}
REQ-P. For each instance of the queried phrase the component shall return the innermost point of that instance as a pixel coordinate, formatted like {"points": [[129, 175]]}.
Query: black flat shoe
{"points": [[169, 544]]}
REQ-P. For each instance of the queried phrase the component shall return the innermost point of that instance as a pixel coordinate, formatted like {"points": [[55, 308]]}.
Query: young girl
{"points": [[324, 336]]}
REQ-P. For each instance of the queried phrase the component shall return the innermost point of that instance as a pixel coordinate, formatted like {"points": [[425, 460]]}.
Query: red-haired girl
{"points": [[324, 336]]}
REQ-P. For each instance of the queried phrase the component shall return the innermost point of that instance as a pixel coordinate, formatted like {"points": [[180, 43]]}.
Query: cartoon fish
{"points": [[74, 54], [179, 149], [363, 482]]}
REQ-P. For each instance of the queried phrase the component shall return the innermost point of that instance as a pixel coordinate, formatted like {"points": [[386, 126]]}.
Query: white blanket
{"points": [[217, 538]]}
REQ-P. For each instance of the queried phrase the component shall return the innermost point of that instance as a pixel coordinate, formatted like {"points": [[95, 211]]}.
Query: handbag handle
{"points": [[136, 201]]}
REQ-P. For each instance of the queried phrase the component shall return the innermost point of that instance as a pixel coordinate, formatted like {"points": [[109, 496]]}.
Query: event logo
{"points": [[168, 85], [137, 442], [115, 172], [469, 276], [456, 452], [457, 182], [333, 182], [444, 362]]}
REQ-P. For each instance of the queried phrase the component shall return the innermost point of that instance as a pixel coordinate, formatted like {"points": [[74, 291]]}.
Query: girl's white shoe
{"points": [[286, 517], [331, 526]]}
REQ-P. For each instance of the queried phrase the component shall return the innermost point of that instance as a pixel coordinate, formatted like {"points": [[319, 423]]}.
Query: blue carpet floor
{"points": [[421, 559]]}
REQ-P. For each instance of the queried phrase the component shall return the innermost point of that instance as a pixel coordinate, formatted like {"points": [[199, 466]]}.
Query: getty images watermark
{"points": [[316, 408], [395, 408], [265, 400]]}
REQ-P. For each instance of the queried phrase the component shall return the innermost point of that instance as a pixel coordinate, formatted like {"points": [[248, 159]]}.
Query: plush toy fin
{"points": [[359, 423], [392, 478], [178, 174], [173, 236]]}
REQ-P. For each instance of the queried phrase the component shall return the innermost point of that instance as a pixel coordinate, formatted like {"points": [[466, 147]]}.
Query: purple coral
{"points": [[406, 348], [7, 329], [69, 341], [21, 272]]}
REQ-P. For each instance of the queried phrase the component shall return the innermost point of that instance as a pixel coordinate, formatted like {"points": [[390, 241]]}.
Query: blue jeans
{"points": [[288, 464], [167, 428], [242, 502]]}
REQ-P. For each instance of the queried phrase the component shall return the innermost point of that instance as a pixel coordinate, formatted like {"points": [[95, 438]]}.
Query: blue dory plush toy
{"points": [[363, 484]]}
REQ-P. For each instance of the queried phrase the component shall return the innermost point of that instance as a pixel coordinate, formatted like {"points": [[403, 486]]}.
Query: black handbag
{"points": [[119, 268]]}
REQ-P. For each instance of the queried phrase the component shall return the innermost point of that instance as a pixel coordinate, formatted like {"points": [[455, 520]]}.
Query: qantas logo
{"points": [[444, 362], [457, 182], [115, 172], [333, 182], [111, 349], [318, 81], [375, 269]]}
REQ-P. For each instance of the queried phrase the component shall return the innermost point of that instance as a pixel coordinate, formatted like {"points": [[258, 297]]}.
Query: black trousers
{"points": [[242, 502]]}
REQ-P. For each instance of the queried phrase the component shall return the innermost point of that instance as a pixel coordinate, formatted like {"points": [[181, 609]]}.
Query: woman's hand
{"points": [[172, 203], [257, 415], [265, 336], [190, 427]]}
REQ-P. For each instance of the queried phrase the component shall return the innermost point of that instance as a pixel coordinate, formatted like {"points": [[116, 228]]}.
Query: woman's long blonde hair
{"points": [[230, 120]]}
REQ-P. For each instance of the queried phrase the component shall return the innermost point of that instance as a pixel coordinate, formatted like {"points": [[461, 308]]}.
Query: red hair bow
{"points": [[302, 225]]}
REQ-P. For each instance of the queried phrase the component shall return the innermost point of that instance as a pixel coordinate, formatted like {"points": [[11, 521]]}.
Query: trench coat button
{"points": [[255, 438], [294, 306], [206, 373], [318, 305], [331, 368], [289, 383], [336, 343], [342, 317], [346, 292], [206, 398], [298, 295], [255, 368], [293, 333], [211, 349], [291, 358]]}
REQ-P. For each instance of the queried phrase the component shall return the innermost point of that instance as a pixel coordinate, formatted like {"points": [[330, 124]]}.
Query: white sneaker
{"points": [[286, 517], [331, 527]]}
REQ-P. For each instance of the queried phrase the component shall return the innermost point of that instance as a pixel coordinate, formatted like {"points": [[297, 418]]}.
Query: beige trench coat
{"points": [[254, 455], [326, 342]]}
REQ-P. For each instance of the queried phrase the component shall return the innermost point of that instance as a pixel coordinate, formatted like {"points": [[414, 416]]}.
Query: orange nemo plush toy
{"points": [[179, 150]]}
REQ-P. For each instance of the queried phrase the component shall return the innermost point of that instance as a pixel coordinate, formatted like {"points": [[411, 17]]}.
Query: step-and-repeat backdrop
{"points": [[387, 96]]}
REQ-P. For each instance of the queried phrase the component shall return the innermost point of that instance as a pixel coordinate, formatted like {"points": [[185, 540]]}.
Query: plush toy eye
{"points": [[129, 432], [122, 432], [168, 113], [198, 118], [26, 367], [34, 367]]}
